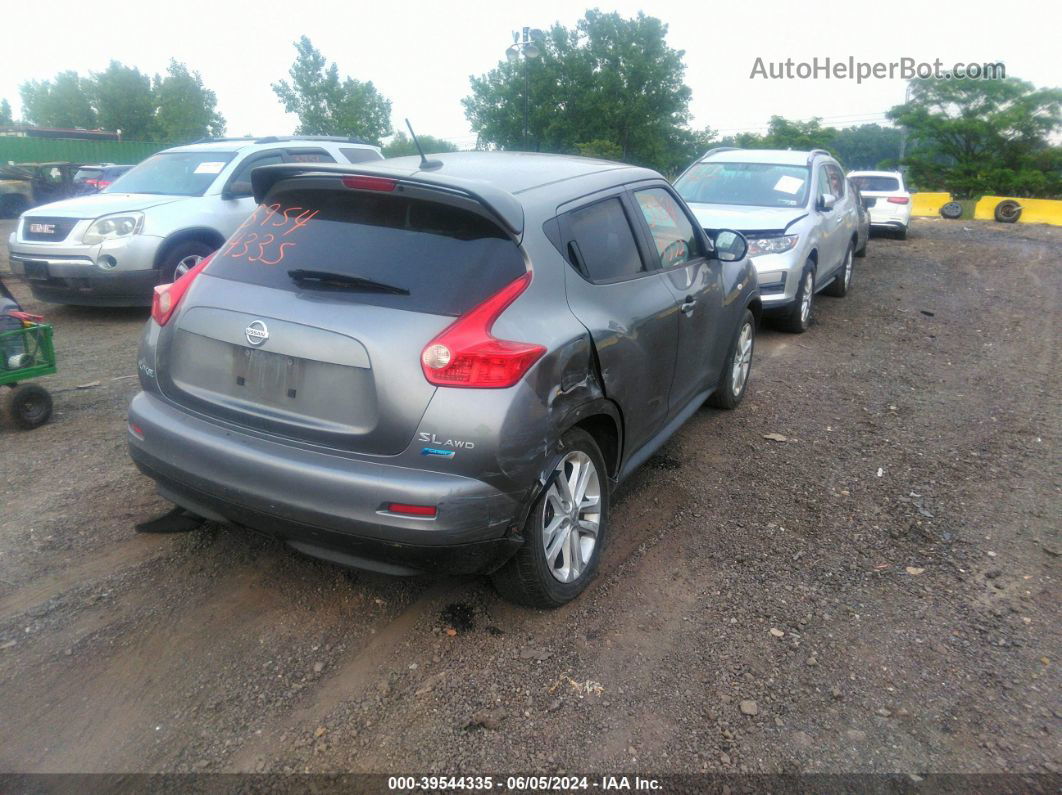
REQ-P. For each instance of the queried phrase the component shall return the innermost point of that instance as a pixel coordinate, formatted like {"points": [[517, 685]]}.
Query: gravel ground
{"points": [[877, 593]]}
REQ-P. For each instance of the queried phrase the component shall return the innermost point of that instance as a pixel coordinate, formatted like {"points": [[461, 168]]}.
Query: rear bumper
{"points": [[323, 504]]}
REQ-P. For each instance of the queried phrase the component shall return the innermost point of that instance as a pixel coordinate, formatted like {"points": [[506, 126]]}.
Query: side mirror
{"points": [[240, 189], [826, 202], [730, 246]]}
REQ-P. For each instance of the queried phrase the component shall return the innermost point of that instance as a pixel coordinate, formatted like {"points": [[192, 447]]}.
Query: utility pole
{"points": [[524, 48]]}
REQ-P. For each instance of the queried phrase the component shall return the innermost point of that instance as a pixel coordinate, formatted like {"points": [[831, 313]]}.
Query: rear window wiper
{"points": [[345, 281]]}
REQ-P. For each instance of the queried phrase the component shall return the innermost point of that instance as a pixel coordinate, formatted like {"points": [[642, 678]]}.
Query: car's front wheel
{"points": [[798, 319], [564, 532], [182, 258]]}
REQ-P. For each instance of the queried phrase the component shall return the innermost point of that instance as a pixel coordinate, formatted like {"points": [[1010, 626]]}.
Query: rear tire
{"points": [[798, 318], [901, 233], [838, 288], [29, 406], [552, 567], [738, 366]]}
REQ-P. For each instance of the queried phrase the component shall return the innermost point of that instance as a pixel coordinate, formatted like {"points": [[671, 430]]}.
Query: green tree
{"points": [[608, 82], [402, 145], [187, 110], [65, 102], [867, 146], [5, 113], [327, 105], [125, 101], [973, 137]]}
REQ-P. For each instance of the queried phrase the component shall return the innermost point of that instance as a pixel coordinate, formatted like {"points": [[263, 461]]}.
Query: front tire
{"points": [[737, 367], [564, 532], [182, 258], [798, 319], [838, 288]]}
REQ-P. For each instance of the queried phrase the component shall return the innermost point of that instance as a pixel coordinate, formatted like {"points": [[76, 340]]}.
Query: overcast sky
{"points": [[421, 54]]}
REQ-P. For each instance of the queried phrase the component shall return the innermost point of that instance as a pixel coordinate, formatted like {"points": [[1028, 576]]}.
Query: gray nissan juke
{"points": [[442, 365]]}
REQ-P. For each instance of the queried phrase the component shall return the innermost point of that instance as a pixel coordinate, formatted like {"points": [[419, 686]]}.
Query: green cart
{"points": [[27, 353]]}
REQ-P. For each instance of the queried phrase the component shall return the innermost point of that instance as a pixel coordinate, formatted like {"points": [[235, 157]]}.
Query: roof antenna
{"points": [[425, 164]]}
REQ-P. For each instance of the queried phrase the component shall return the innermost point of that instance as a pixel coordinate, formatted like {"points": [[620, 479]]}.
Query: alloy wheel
{"points": [[185, 265], [572, 516], [742, 360], [805, 302]]}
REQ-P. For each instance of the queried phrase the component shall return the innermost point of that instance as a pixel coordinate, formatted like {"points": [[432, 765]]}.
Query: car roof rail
{"points": [[211, 140], [342, 139], [717, 149], [814, 152]]}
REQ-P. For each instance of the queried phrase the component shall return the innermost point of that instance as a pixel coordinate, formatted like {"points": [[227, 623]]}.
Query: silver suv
{"points": [[421, 366], [799, 215], [156, 221]]}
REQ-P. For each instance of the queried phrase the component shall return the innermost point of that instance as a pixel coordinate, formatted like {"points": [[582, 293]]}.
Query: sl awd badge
{"points": [[256, 332]]}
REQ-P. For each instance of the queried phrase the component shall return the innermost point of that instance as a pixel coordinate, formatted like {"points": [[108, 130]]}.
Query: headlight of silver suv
{"points": [[771, 245], [110, 227]]}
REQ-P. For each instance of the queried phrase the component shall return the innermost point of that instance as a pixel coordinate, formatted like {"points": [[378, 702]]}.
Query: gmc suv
{"points": [[155, 221]]}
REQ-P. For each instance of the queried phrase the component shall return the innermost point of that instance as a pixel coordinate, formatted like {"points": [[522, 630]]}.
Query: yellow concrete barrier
{"points": [[928, 203], [1033, 211]]}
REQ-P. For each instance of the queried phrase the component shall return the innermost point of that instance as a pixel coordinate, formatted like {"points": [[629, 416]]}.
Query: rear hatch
{"points": [[309, 323]]}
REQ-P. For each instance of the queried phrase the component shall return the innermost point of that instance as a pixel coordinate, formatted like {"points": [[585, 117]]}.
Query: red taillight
{"points": [[898, 200], [370, 183], [168, 296], [411, 510], [467, 355], [101, 184]]}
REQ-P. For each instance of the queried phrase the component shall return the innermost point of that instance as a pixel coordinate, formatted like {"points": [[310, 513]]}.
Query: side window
{"points": [[674, 235], [309, 156], [836, 180], [243, 172], [602, 242], [359, 155], [824, 183]]}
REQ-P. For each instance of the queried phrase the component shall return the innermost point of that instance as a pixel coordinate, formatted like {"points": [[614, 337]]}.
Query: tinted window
{"points": [[676, 241], [86, 174], [877, 183], [749, 184], [243, 171], [448, 259], [604, 243], [359, 155], [174, 173]]}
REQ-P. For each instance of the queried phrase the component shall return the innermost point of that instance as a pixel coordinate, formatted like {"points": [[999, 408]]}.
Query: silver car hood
{"points": [[744, 217], [102, 204]]}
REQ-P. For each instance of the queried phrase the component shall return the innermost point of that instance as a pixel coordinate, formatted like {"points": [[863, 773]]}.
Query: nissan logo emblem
{"points": [[256, 332]]}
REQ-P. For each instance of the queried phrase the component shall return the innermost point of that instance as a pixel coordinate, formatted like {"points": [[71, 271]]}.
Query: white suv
{"points": [[156, 221], [885, 196]]}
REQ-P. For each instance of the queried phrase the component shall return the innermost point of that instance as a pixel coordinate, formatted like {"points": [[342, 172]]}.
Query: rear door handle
{"points": [[690, 302]]}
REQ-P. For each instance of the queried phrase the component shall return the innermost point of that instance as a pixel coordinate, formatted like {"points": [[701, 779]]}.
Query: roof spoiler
{"points": [[502, 204]]}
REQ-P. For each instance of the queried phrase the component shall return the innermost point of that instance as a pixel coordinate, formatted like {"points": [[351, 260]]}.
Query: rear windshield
{"points": [[876, 183], [87, 173], [423, 256], [747, 184], [174, 173]]}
